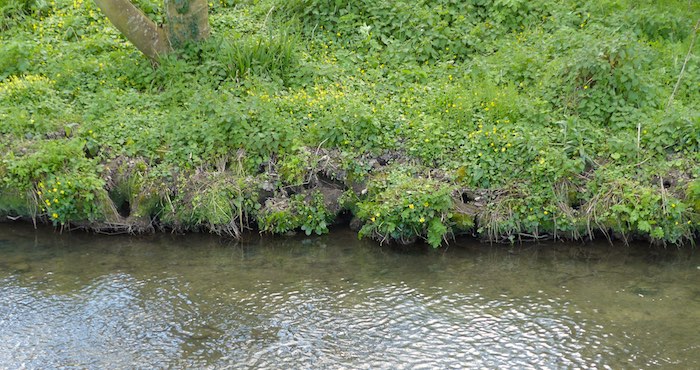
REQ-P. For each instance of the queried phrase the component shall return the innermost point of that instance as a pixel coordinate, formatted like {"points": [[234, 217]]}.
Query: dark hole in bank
{"points": [[124, 209], [466, 198], [344, 218]]}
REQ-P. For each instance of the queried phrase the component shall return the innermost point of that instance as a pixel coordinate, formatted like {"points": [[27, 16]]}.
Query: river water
{"points": [[196, 301]]}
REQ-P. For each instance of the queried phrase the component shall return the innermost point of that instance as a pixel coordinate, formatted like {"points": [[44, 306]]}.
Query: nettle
{"points": [[417, 31], [605, 83]]}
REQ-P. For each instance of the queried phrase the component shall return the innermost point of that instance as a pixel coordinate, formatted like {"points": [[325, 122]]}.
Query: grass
{"points": [[511, 120]]}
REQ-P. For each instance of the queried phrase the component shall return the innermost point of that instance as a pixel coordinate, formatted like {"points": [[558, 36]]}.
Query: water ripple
{"points": [[372, 311], [385, 325]]}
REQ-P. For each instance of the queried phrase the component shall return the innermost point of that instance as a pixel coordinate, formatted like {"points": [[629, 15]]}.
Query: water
{"points": [[85, 301]]}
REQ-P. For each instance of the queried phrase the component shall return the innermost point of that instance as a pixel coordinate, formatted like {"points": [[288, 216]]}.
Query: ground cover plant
{"points": [[505, 119]]}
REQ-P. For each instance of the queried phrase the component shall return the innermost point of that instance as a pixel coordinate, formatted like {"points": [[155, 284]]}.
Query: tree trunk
{"points": [[187, 21], [136, 27]]}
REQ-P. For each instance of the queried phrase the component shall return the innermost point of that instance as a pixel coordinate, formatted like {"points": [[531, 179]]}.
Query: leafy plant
{"points": [[400, 207], [305, 212]]}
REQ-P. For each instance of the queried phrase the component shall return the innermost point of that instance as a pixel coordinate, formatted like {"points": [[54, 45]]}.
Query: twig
{"points": [[663, 194], [639, 137], [687, 57]]}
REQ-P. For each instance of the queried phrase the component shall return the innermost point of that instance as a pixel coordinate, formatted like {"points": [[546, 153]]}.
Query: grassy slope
{"points": [[508, 119]]}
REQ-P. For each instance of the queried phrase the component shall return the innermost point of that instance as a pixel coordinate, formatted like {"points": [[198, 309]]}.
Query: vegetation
{"points": [[506, 119]]}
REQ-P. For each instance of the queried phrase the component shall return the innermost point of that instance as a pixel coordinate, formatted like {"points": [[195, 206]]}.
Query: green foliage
{"points": [[47, 160], [417, 31], [213, 201], [13, 12], [400, 207], [305, 212], [71, 197], [537, 106], [604, 83], [266, 56], [15, 58], [14, 203], [30, 105], [627, 206], [693, 195], [67, 185], [532, 210], [676, 131]]}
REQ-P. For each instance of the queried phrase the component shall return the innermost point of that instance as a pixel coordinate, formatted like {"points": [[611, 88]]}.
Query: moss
{"points": [[182, 6]]}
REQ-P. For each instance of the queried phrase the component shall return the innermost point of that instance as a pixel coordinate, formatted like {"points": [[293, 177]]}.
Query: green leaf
{"points": [[436, 231], [644, 226]]}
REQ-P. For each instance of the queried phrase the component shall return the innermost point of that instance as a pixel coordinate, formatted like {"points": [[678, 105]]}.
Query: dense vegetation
{"points": [[508, 119]]}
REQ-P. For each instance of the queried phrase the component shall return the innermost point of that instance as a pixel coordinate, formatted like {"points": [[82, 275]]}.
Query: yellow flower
{"points": [[377, 214], [546, 213], [55, 215], [38, 193], [48, 202], [585, 87], [410, 206], [372, 219], [55, 200], [673, 205], [426, 204], [421, 220]]}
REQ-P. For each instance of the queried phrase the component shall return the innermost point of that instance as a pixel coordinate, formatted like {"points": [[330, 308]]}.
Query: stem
{"points": [[687, 57]]}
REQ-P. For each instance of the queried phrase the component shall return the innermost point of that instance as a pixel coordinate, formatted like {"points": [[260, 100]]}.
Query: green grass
{"points": [[510, 119]]}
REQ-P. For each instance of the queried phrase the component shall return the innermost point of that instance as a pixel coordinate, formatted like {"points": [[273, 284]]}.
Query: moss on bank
{"points": [[536, 120]]}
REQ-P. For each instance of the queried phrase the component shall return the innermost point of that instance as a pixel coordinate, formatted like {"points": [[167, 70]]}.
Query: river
{"points": [[75, 300]]}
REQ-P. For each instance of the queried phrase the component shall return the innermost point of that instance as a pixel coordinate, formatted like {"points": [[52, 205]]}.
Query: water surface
{"points": [[196, 301]]}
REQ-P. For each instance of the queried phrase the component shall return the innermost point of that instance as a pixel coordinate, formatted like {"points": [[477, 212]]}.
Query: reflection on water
{"points": [[335, 302]]}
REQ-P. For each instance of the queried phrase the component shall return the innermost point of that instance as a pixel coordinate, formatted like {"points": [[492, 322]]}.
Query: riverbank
{"points": [[516, 121]]}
